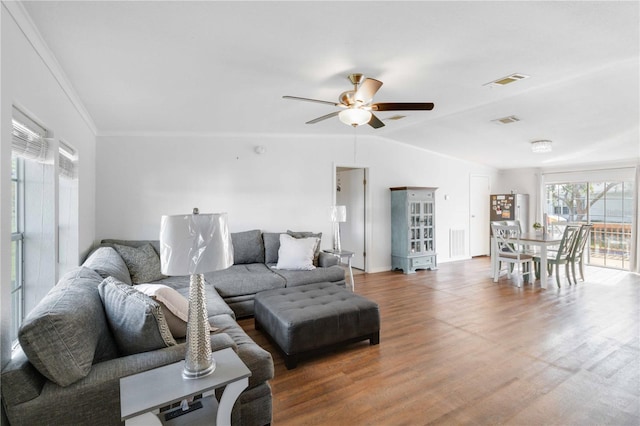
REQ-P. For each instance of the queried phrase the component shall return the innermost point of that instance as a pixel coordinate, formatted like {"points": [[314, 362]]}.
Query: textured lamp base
{"points": [[336, 237], [198, 361]]}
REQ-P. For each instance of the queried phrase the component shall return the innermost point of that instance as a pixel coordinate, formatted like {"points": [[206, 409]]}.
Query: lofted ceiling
{"points": [[209, 67]]}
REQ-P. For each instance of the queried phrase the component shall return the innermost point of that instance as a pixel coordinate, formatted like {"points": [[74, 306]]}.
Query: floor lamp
{"points": [[192, 245]]}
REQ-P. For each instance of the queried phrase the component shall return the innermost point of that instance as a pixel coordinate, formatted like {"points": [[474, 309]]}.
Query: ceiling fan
{"points": [[357, 107]]}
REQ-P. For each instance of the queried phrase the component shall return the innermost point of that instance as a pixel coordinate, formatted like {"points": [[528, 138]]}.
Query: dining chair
{"points": [[577, 254], [509, 222], [510, 251], [562, 255]]}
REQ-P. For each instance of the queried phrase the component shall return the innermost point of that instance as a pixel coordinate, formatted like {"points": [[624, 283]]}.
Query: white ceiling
{"points": [[222, 67]]}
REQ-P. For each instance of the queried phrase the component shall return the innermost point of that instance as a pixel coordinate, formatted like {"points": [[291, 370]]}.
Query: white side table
{"points": [[344, 254], [146, 392]]}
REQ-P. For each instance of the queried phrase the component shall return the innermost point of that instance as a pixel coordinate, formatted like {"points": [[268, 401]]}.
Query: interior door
{"points": [[350, 192], [479, 192]]}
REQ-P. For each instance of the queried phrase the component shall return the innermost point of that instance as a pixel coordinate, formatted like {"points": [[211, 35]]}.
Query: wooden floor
{"points": [[455, 348]]}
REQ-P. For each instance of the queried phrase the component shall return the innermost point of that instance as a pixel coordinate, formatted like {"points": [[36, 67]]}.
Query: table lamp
{"points": [[338, 214], [193, 244]]}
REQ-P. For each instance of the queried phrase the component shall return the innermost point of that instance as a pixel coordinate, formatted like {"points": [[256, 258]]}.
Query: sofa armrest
{"points": [[221, 341], [325, 260], [21, 381]]}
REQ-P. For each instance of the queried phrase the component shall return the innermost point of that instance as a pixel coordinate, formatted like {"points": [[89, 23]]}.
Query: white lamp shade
{"points": [[354, 116], [338, 213], [195, 244]]}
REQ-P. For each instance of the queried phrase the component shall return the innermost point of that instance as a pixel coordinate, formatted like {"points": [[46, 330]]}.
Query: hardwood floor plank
{"points": [[456, 348]]}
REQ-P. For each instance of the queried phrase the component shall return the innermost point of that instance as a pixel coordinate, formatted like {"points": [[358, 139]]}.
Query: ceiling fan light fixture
{"points": [[354, 116], [541, 146]]}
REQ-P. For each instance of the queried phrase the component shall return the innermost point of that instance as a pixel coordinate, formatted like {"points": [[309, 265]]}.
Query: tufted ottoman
{"points": [[303, 320]]}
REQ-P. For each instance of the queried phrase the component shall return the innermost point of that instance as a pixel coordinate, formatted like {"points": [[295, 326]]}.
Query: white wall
{"points": [[522, 181], [290, 186], [30, 83]]}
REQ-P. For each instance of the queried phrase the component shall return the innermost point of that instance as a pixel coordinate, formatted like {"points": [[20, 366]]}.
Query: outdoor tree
{"points": [[572, 198]]}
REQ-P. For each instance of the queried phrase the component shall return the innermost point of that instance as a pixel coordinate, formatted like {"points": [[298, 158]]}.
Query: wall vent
{"points": [[506, 120], [456, 243], [506, 80]]}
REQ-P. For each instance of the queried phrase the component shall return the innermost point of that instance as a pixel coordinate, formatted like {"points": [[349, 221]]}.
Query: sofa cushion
{"points": [[136, 320], [304, 234], [247, 247], [244, 279], [108, 263], [258, 360], [175, 307], [271, 242], [296, 253], [332, 274], [143, 262], [215, 304], [67, 331]]}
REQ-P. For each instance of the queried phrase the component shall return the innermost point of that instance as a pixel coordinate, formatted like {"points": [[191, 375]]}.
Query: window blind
{"points": [[27, 139], [67, 160], [66, 166]]}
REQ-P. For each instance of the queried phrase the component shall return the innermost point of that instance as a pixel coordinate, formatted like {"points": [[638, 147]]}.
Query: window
{"points": [[67, 208], [44, 221], [608, 206], [32, 233], [17, 236]]}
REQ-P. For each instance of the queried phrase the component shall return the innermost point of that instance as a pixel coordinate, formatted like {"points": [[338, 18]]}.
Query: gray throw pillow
{"points": [[136, 320], [247, 247], [297, 234], [271, 246], [108, 263], [67, 331], [143, 263]]}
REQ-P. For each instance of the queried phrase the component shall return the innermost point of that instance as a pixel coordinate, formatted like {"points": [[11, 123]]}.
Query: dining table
{"points": [[543, 240]]}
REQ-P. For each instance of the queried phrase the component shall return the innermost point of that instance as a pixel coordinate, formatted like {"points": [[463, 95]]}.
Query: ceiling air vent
{"points": [[506, 80], [506, 120]]}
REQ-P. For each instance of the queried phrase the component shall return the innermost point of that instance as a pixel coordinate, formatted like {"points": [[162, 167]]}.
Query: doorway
{"points": [[479, 192], [351, 191]]}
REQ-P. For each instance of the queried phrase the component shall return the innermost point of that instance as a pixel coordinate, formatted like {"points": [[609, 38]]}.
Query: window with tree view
{"points": [[608, 206]]}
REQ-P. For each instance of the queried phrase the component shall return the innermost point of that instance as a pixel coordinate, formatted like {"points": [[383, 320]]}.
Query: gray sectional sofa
{"points": [[68, 368]]}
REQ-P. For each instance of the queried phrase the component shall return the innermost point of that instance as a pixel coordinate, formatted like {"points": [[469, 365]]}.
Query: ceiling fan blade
{"points": [[375, 122], [296, 98], [367, 90], [324, 117], [402, 106]]}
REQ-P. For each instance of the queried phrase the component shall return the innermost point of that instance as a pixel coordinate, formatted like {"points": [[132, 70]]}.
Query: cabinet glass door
{"points": [[427, 232], [415, 227], [421, 227]]}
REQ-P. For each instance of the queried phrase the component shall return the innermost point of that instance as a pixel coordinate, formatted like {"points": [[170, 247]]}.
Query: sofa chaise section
{"points": [[70, 368]]}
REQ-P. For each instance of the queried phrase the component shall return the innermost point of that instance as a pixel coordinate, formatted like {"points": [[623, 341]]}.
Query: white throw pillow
{"points": [[296, 253], [175, 306]]}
